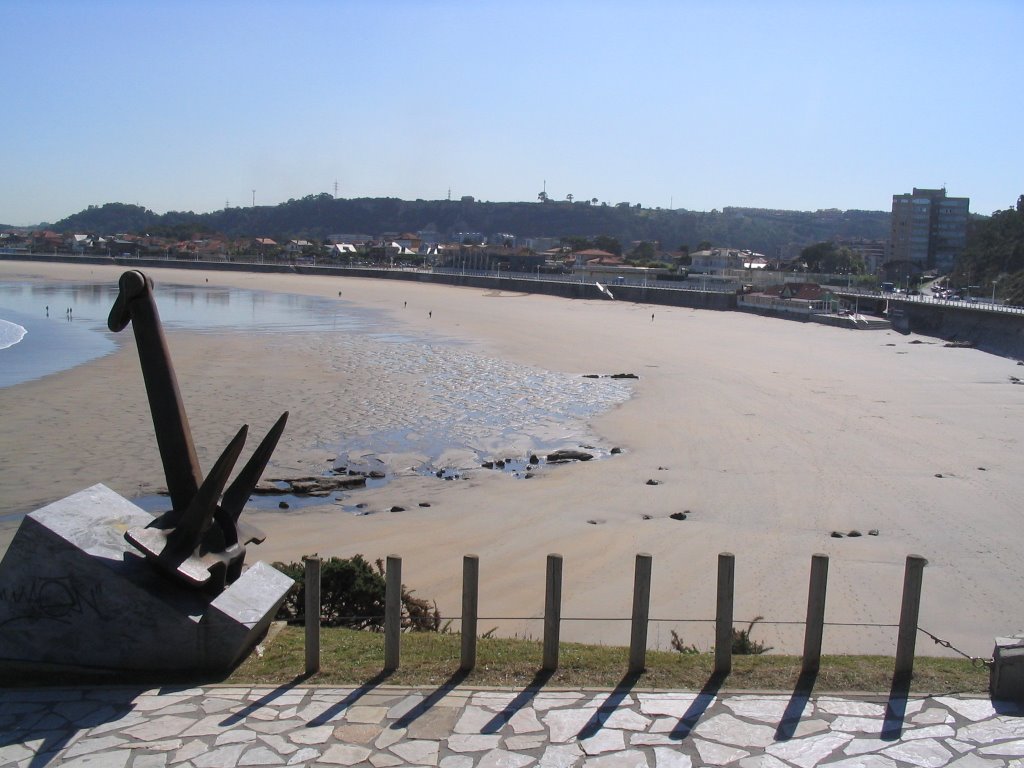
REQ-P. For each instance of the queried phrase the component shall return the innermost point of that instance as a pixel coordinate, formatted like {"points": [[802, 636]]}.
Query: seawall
{"points": [[1000, 333]]}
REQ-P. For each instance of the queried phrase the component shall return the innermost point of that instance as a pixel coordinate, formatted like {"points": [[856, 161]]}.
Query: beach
{"points": [[770, 435]]}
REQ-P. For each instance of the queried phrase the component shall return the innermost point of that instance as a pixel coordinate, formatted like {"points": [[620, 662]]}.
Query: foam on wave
{"points": [[10, 333]]}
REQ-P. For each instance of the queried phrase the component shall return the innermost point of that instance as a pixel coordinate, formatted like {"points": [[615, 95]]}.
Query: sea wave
{"points": [[10, 334]]}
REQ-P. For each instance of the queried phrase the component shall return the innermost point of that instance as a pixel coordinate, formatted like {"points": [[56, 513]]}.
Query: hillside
{"points": [[317, 216], [995, 253]]}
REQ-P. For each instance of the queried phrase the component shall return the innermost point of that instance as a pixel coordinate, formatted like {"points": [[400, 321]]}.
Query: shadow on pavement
{"points": [[704, 699], [325, 717], [896, 709], [521, 700], [445, 688], [261, 702], [795, 708], [608, 707], [55, 731]]}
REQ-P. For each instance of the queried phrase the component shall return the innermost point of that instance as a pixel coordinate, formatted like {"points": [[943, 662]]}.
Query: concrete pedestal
{"points": [[1006, 681], [74, 592]]}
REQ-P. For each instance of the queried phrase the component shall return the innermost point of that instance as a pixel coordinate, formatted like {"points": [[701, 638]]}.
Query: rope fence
{"points": [[640, 619]]}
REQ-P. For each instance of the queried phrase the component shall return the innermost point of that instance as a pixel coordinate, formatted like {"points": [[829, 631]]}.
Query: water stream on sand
{"points": [[480, 408]]}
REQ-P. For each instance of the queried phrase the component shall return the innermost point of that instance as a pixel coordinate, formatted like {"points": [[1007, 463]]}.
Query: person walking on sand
{"points": [[430, 314]]}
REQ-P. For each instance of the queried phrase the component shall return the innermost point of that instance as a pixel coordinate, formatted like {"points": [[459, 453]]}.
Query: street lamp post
{"points": [[994, 291]]}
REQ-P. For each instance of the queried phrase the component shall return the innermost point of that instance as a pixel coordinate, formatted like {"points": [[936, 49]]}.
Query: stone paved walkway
{"points": [[465, 728]]}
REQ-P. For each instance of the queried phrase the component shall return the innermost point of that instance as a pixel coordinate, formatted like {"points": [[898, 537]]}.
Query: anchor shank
{"points": [[173, 436]]}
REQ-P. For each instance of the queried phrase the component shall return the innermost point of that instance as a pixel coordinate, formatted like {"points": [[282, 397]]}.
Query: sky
{"points": [[196, 105]]}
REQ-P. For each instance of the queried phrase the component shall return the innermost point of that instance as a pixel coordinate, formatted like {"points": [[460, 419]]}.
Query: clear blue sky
{"points": [[192, 104]]}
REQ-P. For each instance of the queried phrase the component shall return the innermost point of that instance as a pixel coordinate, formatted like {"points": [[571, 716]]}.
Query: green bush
{"points": [[742, 644], [352, 595]]}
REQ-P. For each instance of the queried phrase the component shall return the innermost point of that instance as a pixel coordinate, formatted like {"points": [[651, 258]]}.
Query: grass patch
{"points": [[350, 657]]}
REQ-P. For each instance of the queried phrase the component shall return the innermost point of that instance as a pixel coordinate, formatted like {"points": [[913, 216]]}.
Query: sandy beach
{"points": [[770, 434]]}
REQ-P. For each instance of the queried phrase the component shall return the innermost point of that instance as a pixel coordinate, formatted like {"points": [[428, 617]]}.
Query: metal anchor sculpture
{"points": [[198, 541]]}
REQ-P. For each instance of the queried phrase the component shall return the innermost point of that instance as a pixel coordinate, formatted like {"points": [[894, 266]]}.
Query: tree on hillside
{"points": [[180, 231], [1011, 289], [828, 258], [608, 243], [575, 243], [643, 252], [111, 218], [995, 252]]}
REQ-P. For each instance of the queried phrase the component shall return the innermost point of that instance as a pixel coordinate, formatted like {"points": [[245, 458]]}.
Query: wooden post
{"points": [[641, 613], [312, 611], [913, 575], [552, 612], [723, 613], [392, 613], [470, 603], [815, 625]]}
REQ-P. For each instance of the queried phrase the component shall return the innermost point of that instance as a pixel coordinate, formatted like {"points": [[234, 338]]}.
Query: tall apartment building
{"points": [[928, 228]]}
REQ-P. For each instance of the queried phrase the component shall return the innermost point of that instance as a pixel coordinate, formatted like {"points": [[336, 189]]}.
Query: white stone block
{"points": [[74, 593]]}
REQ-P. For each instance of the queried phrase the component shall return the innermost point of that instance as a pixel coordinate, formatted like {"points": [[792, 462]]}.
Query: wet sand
{"points": [[771, 434]]}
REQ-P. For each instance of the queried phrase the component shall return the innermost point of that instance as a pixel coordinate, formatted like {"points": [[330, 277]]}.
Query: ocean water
{"points": [[54, 339], [33, 345]]}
